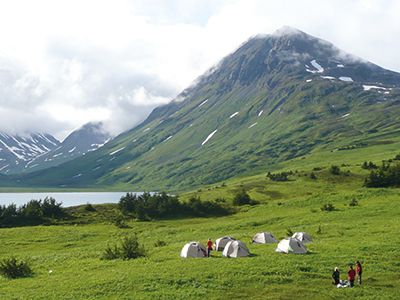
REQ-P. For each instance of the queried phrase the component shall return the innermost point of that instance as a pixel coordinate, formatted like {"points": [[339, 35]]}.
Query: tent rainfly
{"points": [[302, 236], [194, 249], [291, 245], [264, 237], [221, 242], [235, 248]]}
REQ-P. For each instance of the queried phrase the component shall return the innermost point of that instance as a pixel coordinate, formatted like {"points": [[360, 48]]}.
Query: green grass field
{"points": [[66, 258]]}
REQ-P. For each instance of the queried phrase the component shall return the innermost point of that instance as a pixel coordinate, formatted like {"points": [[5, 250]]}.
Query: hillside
{"points": [[66, 256], [278, 97]]}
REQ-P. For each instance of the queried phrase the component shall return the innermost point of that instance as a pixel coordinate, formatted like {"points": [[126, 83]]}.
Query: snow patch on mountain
{"points": [[116, 151], [369, 87], [328, 77], [209, 137], [233, 115], [167, 138], [347, 79], [317, 66], [204, 102]]}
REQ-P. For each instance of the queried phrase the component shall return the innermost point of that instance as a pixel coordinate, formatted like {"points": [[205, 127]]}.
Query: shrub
{"points": [[128, 248], [386, 176], [11, 268], [369, 166], [89, 207], [110, 253], [120, 223], [335, 170], [279, 176], [353, 202], [327, 207], [242, 198]]}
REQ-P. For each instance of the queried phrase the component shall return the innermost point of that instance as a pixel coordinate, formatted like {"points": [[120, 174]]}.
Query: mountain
{"points": [[276, 98], [34, 152], [18, 151]]}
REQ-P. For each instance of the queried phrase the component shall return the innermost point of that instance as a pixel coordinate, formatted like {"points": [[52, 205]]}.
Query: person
{"points": [[336, 276], [352, 275], [359, 271], [209, 247]]}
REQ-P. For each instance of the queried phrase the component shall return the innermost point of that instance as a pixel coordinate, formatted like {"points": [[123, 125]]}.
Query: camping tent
{"points": [[235, 249], [221, 242], [291, 245], [194, 249], [264, 237], [302, 236]]}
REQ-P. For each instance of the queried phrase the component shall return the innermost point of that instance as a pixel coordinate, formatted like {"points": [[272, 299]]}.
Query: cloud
{"points": [[65, 63]]}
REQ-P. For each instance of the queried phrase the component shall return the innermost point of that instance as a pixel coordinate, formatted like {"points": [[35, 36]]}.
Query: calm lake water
{"points": [[67, 199]]}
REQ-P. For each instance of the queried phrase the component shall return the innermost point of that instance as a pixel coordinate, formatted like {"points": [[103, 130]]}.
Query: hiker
{"points": [[209, 247], [359, 271], [352, 275], [336, 276]]}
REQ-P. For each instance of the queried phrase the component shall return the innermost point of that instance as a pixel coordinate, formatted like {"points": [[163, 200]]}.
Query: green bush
{"points": [[335, 170], [353, 202], [128, 248], [89, 207], [279, 176], [242, 198], [11, 268], [119, 222], [327, 207], [386, 176]]}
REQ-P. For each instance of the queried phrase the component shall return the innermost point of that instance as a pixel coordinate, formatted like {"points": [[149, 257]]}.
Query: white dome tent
{"points": [[220, 243], [291, 245], [302, 236], [194, 249], [264, 237], [236, 248]]}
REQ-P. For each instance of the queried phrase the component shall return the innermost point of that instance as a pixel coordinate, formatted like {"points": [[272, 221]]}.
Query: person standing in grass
{"points": [[352, 275], [359, 271], [336, 276], [209, 247]]}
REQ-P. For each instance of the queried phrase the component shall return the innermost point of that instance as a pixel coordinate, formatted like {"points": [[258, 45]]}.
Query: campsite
{"points": [[69, 255]]}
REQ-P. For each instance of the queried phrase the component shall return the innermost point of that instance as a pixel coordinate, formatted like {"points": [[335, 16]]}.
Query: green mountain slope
{"points": [[275, 98]]}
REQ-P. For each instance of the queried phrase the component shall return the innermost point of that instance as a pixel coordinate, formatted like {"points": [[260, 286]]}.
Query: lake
{"points": [[67, 199]]}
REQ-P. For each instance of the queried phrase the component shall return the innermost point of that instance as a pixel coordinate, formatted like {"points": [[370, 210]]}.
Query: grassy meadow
{"points": [[66, 263]]}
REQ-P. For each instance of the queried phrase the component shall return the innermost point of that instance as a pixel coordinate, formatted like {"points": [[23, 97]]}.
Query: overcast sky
{"points": [[66, 63]]}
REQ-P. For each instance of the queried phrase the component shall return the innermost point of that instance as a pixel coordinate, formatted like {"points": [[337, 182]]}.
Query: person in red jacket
{"points": [[359, 271], [352, 275], [209, 247]]}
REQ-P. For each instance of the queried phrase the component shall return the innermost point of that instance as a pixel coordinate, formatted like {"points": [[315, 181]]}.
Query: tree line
{"points": [[147, 206], [385, 176], [35, 211]]}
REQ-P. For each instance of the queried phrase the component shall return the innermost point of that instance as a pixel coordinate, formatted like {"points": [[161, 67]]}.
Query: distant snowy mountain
{"points": [[32, 152], [19, 150]]}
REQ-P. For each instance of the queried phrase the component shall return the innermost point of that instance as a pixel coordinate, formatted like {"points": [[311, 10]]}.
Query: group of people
{"points": [[351, 273]]}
